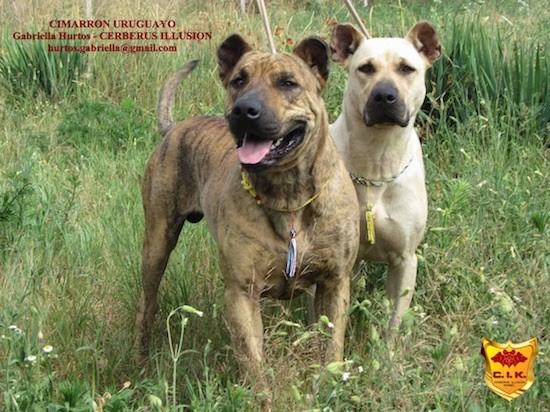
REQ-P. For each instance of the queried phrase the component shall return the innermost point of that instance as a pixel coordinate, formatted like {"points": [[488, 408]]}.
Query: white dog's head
{"points": [[386, 75]]}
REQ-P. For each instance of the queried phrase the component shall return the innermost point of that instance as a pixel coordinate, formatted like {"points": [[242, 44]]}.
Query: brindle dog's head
{"points": [[274, 107], [386, 75]]}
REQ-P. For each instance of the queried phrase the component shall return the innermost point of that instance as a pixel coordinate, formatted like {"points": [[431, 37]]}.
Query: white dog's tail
{"points": [[166, 98]]}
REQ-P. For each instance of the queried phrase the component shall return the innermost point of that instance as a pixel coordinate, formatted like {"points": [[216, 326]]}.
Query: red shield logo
{"points": [[509, 367]]}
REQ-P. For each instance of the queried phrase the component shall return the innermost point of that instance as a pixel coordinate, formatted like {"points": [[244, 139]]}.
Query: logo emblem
{"points": [[509, 367]]}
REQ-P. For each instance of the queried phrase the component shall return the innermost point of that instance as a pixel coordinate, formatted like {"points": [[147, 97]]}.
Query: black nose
{"points": [[385, 94], [386, 106], [247, 109]]}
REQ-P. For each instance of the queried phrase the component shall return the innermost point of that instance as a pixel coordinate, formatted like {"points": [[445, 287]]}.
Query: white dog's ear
{"points": [[229, 53], [424, 39], [315, 53], [345, 41]]}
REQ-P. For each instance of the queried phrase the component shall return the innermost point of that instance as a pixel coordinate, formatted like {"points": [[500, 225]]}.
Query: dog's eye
{"points": [[367, 68], [287, 84], [406, 69], [238, 82]]}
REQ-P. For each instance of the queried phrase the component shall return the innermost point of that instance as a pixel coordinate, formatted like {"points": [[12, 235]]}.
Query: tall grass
{"points": [[71, 224], [482, 74], [28, 68]]}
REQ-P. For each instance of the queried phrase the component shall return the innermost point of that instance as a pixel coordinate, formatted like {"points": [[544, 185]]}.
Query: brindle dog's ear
{"points": [[229, 53], [424, 39], [315, 53], [345, 41]]}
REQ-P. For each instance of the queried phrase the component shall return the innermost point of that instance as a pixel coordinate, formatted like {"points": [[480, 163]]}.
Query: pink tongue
{"points": [[253, 152]]}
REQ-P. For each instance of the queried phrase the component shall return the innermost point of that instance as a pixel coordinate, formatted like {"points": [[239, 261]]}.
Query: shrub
{"points": [[482, 74], [27, 68]]}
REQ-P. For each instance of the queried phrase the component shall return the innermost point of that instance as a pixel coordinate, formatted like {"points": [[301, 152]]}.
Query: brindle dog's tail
{"points": [[166, 98]]}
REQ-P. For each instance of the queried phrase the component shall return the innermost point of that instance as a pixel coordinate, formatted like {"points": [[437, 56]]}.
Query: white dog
{"points": [[375, 133]]}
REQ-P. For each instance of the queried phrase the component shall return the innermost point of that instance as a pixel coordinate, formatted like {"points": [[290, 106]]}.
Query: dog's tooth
{"points": [[277, 143]]}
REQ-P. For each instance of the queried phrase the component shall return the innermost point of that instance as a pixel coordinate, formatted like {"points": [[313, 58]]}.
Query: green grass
{"points": [[28, 68], [71, 224]]}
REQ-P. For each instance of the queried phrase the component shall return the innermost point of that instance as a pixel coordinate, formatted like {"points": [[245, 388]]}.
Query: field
{"points": [[77, 130]]}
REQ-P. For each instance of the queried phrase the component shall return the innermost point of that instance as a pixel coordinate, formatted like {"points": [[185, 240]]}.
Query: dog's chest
{"points": [[399, 215], [257, 251], [314, 262]]}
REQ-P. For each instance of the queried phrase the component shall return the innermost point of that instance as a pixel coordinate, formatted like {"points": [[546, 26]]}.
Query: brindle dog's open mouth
{"points": [[255, 150]]}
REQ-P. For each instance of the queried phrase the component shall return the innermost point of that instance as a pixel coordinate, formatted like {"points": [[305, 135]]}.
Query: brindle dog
{"points": [[275, 130]]}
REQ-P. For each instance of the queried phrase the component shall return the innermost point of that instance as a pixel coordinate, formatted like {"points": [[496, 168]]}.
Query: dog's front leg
{"points": [[246, 328], [332, 300], [400, 285]]}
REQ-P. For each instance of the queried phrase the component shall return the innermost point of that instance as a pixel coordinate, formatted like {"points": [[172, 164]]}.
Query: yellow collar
{"points": [[249, 187]]}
